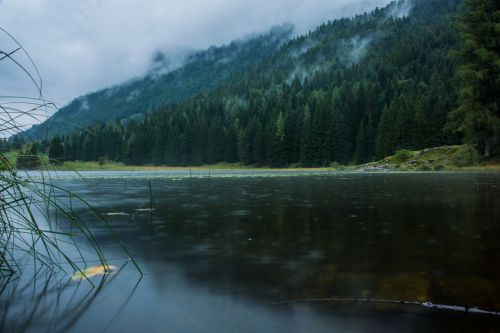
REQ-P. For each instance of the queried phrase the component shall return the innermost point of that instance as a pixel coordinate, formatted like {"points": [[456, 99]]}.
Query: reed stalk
{"points": [[37, 219]]}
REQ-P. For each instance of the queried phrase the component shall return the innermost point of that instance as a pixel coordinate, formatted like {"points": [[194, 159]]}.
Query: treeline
{"points": [[291, 124]]}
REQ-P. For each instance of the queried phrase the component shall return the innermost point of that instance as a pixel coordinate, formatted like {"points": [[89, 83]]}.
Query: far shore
{"points": [[437, 159], [113, 166], [372, 167]]}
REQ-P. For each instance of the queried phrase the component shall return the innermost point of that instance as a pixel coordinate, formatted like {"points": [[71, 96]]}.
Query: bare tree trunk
{"points": [[487, 148]]}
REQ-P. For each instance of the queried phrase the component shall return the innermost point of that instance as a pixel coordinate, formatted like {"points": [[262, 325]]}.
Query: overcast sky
{"points": [[85, 45]]}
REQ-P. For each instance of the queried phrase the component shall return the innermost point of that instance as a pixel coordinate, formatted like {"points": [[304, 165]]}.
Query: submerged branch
{"points": [[429, 305]]}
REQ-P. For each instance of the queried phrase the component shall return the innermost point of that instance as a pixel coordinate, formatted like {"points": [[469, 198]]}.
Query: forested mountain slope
{"points": [[201, 72], [351, 90]]}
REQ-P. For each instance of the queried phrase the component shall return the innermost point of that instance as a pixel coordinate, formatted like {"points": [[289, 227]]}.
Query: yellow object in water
{"points": [[92, 271]]}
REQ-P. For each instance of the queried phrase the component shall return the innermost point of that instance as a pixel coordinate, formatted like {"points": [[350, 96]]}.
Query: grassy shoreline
{"points": [[116, 166], [217, 167], [446, 158]]}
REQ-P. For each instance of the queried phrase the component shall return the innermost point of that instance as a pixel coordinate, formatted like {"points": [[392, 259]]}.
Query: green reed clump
{"points": [[37, 219]]}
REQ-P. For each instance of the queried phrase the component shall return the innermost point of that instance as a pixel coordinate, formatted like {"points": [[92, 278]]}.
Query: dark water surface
{"points": [[218, 253]]}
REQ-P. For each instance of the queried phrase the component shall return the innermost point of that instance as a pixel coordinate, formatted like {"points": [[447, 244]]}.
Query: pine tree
{"points": [[216, 141], [478, 114], [56, 151], [279, 155], [306, 146], [172, 148]]}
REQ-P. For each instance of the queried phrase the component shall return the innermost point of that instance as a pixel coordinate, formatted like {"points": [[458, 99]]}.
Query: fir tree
{"points": [[478, 114], [56, 151]]}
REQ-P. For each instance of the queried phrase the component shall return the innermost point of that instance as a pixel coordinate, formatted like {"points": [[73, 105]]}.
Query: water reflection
{"points": [[49, 301]]}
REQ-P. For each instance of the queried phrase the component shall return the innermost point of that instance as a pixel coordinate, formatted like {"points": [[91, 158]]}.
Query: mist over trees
{"points": [[353, 90], [200, 72]]}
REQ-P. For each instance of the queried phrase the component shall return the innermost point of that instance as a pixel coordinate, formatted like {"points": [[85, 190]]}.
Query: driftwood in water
{"points": [[429, 305]]}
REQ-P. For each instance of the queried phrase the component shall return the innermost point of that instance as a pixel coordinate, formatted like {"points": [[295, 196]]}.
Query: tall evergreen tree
{"points": [[478, 114], [56, 150]]}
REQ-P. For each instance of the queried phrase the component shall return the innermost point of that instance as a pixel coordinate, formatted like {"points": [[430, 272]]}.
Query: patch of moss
{"points": [[424, 167], [439, 167], [402, 155]]}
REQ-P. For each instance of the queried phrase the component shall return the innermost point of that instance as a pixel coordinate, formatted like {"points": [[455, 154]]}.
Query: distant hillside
{"points": [[201, 72], [353, 90]]}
